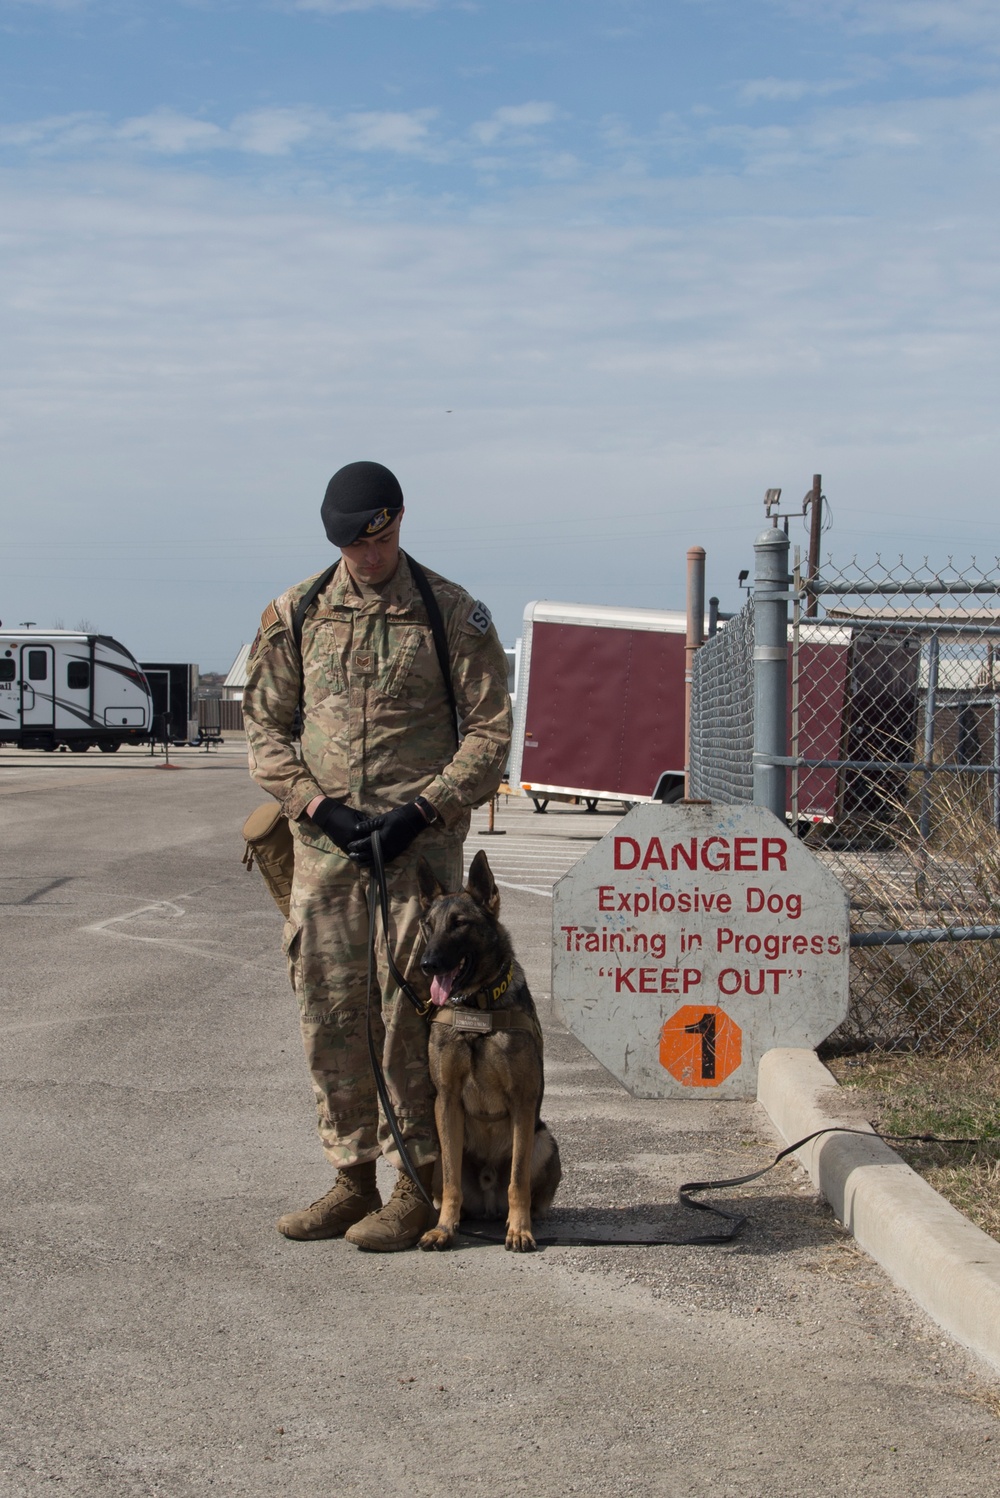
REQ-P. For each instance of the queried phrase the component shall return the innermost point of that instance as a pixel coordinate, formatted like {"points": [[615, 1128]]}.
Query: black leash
{"points": [[381, 888], [687, 1194], [686, 1197]]}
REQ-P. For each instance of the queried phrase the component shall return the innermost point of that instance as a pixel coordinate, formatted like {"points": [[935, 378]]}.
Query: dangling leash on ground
{"points": [[687, 1194]]}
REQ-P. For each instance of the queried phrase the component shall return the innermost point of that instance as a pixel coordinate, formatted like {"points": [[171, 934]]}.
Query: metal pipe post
{"points": [[491, 829], [815, 535], [794, 684], [770, 670], [930, 712], [996, 758], [695, 637]]}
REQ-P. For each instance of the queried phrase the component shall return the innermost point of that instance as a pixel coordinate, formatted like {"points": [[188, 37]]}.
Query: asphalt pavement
{"points": [[160, 1337]]}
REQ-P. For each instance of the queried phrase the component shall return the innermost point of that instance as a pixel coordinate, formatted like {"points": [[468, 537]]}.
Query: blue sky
{"points": [[589, 276]]}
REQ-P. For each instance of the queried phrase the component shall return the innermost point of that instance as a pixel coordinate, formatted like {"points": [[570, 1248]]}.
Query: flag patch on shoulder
{"points": [[480, 617], [269, 618]]}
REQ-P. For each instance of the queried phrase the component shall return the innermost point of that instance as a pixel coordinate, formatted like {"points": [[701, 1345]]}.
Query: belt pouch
{"points": [[269, 845]]}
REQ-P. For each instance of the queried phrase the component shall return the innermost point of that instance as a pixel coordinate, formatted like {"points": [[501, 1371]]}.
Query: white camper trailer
{"points": [[63, 687]]}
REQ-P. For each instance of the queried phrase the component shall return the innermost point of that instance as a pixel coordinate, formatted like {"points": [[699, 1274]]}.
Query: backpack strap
{"points": [[306, 602], [440, 642], [308, 598]]}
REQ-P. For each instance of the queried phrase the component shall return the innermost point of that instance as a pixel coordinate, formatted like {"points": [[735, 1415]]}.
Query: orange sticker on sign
{"points": [[700, 1045]]}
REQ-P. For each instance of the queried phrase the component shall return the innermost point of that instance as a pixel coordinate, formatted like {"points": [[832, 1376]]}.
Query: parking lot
{"points": [[161, 1338]]}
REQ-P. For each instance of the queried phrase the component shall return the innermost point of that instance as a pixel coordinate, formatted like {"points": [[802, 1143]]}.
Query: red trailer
{"points": [[600, 705]]}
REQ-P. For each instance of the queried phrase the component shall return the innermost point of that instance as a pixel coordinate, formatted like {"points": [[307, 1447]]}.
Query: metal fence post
{"points": [[770, 670], [695, 636], [995, 777], [930, 711]]}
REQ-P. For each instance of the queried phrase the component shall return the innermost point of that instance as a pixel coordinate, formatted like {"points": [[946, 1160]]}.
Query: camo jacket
{"points": [[377, 726]]}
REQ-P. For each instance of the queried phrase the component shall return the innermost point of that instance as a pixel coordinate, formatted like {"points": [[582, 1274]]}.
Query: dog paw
{"points": [[436, 1238], [520, 1241]]}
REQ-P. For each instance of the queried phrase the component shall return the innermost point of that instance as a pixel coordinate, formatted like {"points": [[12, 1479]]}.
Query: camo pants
{"points": [[326, 943]]}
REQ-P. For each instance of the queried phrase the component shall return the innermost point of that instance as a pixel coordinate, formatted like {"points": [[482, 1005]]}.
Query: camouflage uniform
{"points": [[377, 732]]}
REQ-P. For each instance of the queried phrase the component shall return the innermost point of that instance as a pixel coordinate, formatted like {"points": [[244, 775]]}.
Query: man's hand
{"points": [[396, 830], [340, 822]]}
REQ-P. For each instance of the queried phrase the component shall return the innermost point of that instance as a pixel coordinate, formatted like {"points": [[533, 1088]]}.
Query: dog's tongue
{"points": [[441, 985]]}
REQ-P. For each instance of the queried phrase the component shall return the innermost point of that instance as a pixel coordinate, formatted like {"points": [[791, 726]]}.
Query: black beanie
{"points": [[361, 500]]}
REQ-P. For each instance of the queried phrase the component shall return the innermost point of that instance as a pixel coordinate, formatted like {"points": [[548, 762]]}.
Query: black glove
{"points": [[340, 822], [396, 830]]}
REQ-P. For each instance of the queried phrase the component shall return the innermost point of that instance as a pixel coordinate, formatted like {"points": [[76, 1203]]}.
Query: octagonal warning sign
{"points": [[692, 939]]}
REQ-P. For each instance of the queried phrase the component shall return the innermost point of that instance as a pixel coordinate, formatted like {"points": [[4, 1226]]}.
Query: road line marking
{"points": [[161, 906], [195, 949]]}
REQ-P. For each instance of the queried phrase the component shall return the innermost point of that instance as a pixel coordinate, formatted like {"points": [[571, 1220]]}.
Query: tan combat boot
{"points": [[404, 1218], [353, 1196]]}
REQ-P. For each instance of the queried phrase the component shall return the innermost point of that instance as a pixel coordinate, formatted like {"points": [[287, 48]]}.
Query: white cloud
{"points": [[926, 130], [791, 90], [171, 133], [779, 89], [262, 132], [963, 20], [560, 164], [968, 22], [80, 128], [514, 123], [273, 132], [387, 130]]}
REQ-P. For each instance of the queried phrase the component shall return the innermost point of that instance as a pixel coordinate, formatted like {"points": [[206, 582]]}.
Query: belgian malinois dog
{"points": [[485, 1050]]}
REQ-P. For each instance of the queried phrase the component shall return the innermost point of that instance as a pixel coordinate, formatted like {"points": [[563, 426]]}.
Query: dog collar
{"points": [[489, 995]]}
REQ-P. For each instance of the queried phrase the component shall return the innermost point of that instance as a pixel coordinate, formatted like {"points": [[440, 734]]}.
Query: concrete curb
{"points": [[948, 1265]]}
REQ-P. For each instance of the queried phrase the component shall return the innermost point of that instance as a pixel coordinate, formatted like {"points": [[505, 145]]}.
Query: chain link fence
{"points": [[894, 739], [893, 780], [721, 744]]}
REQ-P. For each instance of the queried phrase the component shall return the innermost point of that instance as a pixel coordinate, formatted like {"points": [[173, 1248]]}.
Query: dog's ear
{"points": [[482, 886], [428, 884]]}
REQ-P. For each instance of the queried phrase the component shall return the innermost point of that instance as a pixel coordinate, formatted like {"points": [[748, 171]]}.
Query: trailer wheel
{"points": [[111, 748], [675, 793], [78, 748]]}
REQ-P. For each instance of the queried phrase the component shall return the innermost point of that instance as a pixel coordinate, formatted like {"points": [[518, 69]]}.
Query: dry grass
{"points": [[943, 995], [952, 1097]]}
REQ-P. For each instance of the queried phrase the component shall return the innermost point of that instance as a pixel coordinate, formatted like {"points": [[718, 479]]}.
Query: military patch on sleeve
{"points": [[271, 624], [480, 617]]}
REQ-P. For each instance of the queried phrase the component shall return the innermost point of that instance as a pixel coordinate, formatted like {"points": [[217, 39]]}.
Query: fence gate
{"points": [[891, 722]]}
